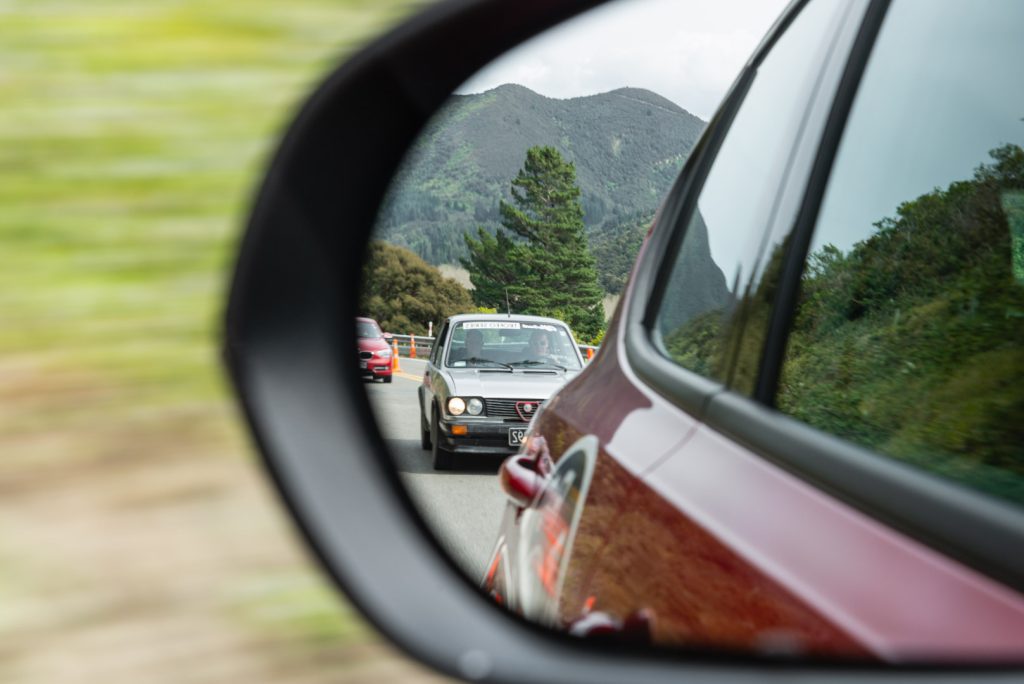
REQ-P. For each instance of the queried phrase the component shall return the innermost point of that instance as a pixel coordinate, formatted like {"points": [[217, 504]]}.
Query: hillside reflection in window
{"points": [[697, 307], [909, 328], [724, 258]]}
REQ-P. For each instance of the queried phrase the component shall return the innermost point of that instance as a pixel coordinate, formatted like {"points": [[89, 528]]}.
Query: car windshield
{"points": [[368, 329], [512, 344]]}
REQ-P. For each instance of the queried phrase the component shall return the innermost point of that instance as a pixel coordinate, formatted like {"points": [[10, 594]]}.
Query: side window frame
{"points": [[687, 389], [435, 354], [975, 529]]}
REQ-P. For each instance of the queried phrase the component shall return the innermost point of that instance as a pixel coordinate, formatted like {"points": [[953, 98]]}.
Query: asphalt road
{"points": [[464, 506]]}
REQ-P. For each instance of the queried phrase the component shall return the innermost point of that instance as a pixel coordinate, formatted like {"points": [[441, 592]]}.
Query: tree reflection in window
{"points": [[910, 343]]}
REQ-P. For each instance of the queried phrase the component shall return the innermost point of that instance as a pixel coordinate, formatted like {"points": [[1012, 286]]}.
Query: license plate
{"points": [[516, 436], [362, 364]]}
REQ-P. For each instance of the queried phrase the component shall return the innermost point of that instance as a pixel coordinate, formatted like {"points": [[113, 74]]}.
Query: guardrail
{"points": [[424, 345]]}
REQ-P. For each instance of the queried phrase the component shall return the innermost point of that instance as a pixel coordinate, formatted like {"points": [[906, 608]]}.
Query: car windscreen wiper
{"points": [[477, 359], [539, 364]]}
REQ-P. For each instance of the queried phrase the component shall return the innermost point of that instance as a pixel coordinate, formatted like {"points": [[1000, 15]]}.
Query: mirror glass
{"points": [[498, 258], [529, 194], [600, 112]]}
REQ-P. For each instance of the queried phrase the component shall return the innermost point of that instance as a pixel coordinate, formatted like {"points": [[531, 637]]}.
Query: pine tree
{"points": [[540, 254]]}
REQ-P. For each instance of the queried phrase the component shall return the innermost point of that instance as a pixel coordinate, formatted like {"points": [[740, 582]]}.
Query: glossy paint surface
{"points": [[887, 594]]}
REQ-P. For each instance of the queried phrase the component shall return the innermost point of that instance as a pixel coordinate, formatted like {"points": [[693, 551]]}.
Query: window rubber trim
{"points": [[784, 310]]}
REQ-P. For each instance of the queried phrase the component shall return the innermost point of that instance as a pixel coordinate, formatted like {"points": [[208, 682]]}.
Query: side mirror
{"points": [[388, 336], [289, 341], [522, 476], [290, 329]]}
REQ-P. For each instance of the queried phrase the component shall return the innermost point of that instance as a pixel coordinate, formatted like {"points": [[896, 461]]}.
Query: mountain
{"points": [[628, 145]]}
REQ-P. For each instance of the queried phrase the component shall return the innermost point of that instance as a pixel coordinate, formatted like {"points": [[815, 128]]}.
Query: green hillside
{"points": [[627, 146]]}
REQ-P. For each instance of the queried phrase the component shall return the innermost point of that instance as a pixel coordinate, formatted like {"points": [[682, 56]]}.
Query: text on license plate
{"points": [[516, 436]]}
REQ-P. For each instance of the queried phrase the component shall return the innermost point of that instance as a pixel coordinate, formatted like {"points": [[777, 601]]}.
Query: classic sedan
{"points": [[486, 377]]}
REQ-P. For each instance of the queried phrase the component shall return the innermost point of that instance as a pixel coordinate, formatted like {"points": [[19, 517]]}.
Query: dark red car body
{"points": [[698, 514], [766, 563]]}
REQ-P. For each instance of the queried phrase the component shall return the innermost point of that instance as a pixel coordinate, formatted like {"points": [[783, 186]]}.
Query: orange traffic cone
{"points": [[412, 347], [590, 353], [394, 356]]}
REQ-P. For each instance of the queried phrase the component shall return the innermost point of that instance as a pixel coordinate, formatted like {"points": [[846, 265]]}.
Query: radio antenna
{"points": [[508, 307]]}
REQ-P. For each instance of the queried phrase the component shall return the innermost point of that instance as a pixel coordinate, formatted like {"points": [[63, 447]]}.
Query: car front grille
{"points": [[506, 408], [366, 355]]}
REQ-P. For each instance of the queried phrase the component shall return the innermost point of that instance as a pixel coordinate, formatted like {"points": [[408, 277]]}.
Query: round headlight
{"points": [[475, 406], [456, 406]]}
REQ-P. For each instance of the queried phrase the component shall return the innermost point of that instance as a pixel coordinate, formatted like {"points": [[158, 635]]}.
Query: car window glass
{"points": [[909, 328], [476, 344], [367, 329], [697, 317]]}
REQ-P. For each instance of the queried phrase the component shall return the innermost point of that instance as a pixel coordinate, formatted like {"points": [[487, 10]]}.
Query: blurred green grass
{"points": [[132, 138]]}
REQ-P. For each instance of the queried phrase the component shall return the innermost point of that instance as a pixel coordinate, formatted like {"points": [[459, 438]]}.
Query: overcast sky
{"points": [[686, 50]]}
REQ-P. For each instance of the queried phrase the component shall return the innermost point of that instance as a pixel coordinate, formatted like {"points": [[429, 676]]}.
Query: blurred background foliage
{"points": [[401, 291], [138, 539]]}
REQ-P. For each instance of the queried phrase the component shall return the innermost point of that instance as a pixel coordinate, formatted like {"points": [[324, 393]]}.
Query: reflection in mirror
{"points": [[500, 253]]}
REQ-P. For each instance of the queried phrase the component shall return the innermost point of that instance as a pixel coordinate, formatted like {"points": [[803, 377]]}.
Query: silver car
{"points": [[487, 376]]}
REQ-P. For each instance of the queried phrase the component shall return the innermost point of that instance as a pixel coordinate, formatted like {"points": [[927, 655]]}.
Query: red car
{"points": [[374, 350], [803, 433]]}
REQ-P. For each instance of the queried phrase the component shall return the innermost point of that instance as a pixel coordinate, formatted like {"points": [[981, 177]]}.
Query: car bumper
{"points": [[377, 369], [482, 436]]}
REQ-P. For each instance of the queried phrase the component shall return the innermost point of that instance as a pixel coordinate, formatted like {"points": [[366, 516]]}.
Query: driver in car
{"points": [[540, 346], [474, 347]]}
